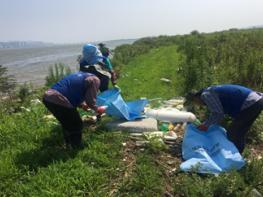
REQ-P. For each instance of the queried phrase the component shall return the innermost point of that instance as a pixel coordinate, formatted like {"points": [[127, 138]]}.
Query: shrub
{"points": [[7, 82], [24, 91], [56, 73]]}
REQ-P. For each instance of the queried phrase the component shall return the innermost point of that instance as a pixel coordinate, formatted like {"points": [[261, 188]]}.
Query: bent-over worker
{"points": [[62, 99], [242, 104]]}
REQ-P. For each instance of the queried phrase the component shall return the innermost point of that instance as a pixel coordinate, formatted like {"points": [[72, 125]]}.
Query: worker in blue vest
{"points": [[62, 99], [242, 104], [93, 61]]}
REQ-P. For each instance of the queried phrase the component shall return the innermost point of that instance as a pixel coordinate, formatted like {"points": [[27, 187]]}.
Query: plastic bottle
{"points": [[171, 126], [164, 127]]}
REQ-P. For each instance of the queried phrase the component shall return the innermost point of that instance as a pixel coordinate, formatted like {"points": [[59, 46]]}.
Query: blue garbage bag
{"points": [[210, 151], [117, 107]]}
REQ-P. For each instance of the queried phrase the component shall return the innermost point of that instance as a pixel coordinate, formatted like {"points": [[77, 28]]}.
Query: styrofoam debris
{"points": [[154, 134], [141, 143], [166, 137], [165, 80]]}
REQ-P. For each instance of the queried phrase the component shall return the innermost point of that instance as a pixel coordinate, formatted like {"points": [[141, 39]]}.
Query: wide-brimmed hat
{"points": [[91, 54]]}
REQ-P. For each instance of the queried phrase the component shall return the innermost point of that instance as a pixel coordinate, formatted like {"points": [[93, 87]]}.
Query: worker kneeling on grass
{"points": [[62, 99], [242, 104]]}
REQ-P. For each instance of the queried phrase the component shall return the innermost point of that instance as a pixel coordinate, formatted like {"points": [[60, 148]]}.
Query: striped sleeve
{"points": [[215, 107]]}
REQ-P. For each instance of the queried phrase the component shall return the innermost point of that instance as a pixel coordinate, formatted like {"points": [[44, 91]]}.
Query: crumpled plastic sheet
{"points": [[118, 108]]}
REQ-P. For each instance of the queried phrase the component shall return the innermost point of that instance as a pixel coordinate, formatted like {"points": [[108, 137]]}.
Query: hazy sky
{"points": [[69, 21]]}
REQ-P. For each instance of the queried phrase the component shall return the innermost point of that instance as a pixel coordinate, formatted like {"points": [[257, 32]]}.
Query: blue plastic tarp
{"points": [[210, 151], [117, 107]]}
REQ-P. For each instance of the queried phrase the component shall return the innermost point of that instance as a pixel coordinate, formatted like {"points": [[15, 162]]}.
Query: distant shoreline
{"points": [[30, 65]]}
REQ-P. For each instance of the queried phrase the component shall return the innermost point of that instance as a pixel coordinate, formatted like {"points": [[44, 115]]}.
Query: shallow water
{"points": [[31, 64]]}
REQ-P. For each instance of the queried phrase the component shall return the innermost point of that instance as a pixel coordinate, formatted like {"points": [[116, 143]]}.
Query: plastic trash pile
{"points": [[171, 122], [171, 118], [169, 137]]}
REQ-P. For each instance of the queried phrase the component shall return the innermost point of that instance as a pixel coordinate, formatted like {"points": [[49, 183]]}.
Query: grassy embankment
{"points": [[34, 162], [142, 76]]}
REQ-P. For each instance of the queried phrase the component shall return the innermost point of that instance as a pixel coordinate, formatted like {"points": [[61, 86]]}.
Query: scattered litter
{"points": [[164, 126], [35, 101], [154, 99], [136, 134], [89, 118], [165, 80], [171, 138], [174, 102], [26, 109], [171, 134], [171, 127], [168, 194], [136, 126], [173, 170], [124, 144], [155, 134], [49, 117], [180, 107], [141, 143], [136, 138], [171, 162], [170, 142]]}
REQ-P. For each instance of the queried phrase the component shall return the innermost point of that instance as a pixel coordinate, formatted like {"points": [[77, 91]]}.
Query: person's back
{"points": [[62, 99], [231, 97], [73, 87], [242, 104]]}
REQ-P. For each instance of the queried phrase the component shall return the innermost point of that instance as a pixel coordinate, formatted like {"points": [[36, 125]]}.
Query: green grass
{"points": [[33, 161], [141, 77], [146, 179]]}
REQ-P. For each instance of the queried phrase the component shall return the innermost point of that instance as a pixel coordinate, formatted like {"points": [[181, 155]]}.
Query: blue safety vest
{"points": [[73, 87], [232, 97]]}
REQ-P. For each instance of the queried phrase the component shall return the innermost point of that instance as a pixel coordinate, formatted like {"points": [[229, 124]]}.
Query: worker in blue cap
{"points": [[94, 62], [242, 104]]}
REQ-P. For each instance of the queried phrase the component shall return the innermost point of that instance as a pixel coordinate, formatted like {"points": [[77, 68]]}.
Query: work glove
{"points": [[101, 109], [202, 127]]}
